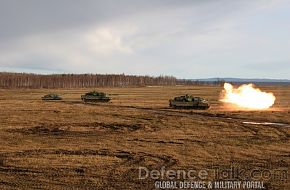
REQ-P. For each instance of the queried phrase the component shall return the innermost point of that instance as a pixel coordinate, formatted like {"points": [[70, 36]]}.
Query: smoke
{"points": [[247, 96]]}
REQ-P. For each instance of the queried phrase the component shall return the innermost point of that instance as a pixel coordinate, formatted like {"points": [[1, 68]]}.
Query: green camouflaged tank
{"points": [[95, 96], [189, 102], [51, 97]]}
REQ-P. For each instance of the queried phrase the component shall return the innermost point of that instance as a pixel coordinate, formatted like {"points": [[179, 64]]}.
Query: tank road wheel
{"points": [[204, 107]]}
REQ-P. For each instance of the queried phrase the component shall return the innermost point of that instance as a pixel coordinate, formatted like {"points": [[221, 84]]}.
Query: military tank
{"points": [[95, 96], [51, 97], [189, 102]]}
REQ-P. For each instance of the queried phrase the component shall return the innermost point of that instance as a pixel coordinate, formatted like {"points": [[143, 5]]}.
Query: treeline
{"points": [[200, 83], [24, 80]]}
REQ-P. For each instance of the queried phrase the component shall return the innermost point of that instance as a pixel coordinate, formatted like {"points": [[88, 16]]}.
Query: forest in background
{"points": [[26, 80]]}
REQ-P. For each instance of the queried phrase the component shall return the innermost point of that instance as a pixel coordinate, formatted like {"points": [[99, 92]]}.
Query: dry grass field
{"points": [[72, 145]]}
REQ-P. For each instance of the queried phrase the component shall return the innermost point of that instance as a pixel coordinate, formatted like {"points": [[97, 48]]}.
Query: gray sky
{"points": [[184, 38]]}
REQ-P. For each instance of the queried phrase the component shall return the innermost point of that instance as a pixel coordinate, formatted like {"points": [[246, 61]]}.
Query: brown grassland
{"points": [[72, 145]]}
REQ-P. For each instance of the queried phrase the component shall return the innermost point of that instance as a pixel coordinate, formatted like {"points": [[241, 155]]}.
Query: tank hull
{"points": [[51, 99], [86, 98], [188, 105]]}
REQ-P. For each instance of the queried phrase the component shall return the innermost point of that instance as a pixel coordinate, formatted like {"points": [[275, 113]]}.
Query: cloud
{"points": [[64, 51], [18, 18], [105, 41], [188, 39]]}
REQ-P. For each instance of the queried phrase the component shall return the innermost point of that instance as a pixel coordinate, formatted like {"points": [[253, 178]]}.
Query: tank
{"points": [[95, 96], [51, 97], [189, 102]]}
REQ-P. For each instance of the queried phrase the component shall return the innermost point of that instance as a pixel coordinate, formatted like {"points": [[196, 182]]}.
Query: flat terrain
{"points": [[66, 144]]}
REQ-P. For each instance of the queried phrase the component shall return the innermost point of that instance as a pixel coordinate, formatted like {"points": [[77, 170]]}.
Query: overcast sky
{"points": [[184, 38]]}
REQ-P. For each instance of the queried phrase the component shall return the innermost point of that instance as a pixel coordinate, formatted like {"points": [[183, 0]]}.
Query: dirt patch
{"points": [[45, 130], [117, 126], [115, 176], [215, 115], [41, 130], [1, 161], [60, 129], [127, 173], [83, 152], [158, 141]]}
